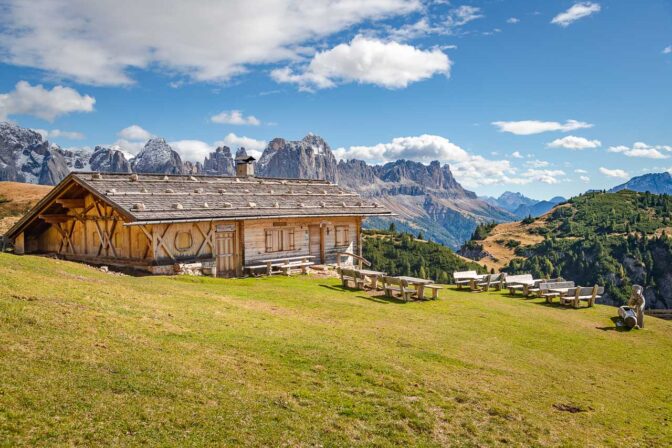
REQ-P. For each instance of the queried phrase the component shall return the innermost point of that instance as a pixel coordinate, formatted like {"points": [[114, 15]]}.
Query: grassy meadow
{"points": [[95, 359]]}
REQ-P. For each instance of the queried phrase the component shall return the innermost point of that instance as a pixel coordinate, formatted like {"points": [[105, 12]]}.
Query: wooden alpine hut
{"points": [[224, 226]]}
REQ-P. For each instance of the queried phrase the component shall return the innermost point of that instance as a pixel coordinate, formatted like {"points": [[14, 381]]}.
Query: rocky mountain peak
{"points": [[110, 160], [158, 157], [241, 153], [308, 158], [219, 162]]}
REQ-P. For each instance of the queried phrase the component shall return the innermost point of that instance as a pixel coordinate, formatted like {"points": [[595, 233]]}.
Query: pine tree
{"points": [[422, 273]]}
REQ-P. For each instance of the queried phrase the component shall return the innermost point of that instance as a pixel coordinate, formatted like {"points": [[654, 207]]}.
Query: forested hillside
{"points": [[613, 239], [404, 254]]}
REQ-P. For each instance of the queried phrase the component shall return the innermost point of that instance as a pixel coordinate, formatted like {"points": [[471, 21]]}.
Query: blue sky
{"points": [[543, 97]]}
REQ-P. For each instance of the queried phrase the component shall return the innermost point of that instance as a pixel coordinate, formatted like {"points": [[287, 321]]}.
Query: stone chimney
{"points": [[245, 166]]}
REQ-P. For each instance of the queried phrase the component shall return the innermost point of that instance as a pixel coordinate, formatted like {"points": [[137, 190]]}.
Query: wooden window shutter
{"points": [[269, 241], [290, 235]]}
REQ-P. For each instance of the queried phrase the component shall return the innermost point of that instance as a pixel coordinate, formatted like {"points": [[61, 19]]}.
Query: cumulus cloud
{"points": [[641, 149], [367, 61], [576, 12], [512, 20], [621, 174], [667, 50], [135, 133], [205, 41], [530, 127], [235, 117], [584, 179], [516, 155], [192, 150], [544, 176], [580, 171], [57, 133], [43, 103], [573, 142]]}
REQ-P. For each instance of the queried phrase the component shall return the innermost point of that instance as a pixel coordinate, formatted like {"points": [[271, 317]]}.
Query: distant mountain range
{"points": [[658, 183], [426, 198], [521, 206]]}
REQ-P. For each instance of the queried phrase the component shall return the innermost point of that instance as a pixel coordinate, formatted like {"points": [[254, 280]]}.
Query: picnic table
{"points": [[372, 276], [285, 264], [420, 284]]}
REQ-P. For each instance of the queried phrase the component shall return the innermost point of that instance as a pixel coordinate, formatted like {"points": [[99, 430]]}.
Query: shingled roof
{"points": [[152, 198]]}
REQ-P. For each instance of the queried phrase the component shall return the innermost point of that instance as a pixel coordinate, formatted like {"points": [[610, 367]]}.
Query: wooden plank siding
{"points": [[254, 238]]}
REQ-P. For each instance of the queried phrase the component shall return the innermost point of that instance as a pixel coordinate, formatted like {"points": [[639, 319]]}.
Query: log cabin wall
{"points": [[183, 241], [255, 237], [92, 230]]}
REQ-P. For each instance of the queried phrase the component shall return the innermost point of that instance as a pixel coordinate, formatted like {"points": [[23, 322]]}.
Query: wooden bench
{"points": [[490, 281], [546, 293], [435, 290], [349, 275], [303, 266], [577, 295], [516, 283], [392, 285], [284, 265], [464, 278]]}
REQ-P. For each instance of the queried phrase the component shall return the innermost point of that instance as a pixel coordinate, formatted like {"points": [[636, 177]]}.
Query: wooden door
{"points": [[316, 243], [228, 259]]}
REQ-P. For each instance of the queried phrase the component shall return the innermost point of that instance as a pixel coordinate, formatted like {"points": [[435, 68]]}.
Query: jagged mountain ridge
{"points": [[522, 206], [426, 198]]}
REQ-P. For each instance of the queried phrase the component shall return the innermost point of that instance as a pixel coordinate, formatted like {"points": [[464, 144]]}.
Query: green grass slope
{"points": [[93, 359]]}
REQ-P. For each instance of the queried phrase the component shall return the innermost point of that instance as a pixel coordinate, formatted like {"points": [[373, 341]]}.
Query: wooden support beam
{"points": [[55, 218], [71, 203], [208, 238]]}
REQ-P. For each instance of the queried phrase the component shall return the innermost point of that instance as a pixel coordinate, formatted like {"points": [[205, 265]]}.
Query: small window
{"points": [[342, 235], [183, 241], [278, 240]]}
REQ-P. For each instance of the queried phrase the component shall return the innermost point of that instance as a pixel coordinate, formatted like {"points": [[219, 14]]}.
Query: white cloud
{"points": [[43, 103], [614, 173], [667, 50], [367, 61], [204, 41], [512, 20], [580, 171], [529, 127], [57, 133], [193, 150], [235, 117], [544, 176], [640, 149], [584, 179], [462, 15], [576, 12], [573, 142], [516, 155], [469, 169], [252, 146], [135, 133], [537, 163]]}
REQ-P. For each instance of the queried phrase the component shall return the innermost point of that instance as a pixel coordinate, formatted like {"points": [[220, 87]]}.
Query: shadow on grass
{"points": [[377, 298], [618, 325]]}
